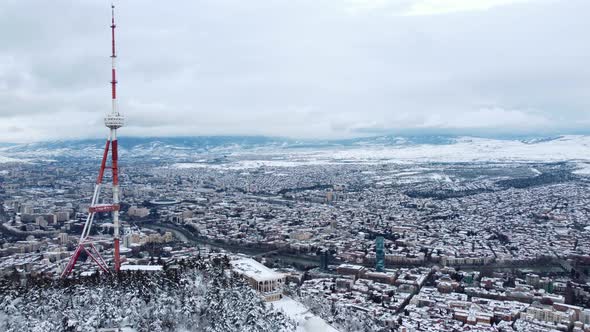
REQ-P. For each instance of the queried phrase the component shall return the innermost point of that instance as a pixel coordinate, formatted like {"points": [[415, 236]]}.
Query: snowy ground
{"points": [[470, 149], [4, 159], [465, 149], [583, 169], [306, 321]]}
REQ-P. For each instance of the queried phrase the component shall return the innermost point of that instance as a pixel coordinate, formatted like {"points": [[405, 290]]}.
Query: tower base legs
{"points": [[117, 257], [92, 252]]}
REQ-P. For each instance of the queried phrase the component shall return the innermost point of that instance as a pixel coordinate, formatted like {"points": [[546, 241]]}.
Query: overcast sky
{"points": [[297, 68]]}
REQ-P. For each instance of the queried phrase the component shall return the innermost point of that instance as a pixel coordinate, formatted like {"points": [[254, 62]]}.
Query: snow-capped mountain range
{"points": [[370, 149]]}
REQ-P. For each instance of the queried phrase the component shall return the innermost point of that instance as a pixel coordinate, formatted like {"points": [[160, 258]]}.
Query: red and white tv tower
{"points": [[113, 121]]}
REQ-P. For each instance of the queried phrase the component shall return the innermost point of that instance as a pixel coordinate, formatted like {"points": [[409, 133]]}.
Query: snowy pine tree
{"points": [[198, 296]]}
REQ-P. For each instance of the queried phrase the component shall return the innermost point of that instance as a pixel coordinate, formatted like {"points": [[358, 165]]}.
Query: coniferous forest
{"points": [[191, 295]]}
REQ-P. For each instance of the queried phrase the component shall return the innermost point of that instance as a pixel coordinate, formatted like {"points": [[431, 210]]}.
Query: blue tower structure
{"points": [[380, 254]]}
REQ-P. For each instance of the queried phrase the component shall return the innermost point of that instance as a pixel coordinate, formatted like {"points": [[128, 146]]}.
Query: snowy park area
{"points": [[306, 321]]}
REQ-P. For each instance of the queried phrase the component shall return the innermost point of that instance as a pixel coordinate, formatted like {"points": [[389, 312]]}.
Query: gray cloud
{"points": [[302, 68]]}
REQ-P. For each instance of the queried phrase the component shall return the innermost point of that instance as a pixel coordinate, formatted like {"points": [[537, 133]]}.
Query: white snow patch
{"points": [[141, 267], [407, 173], [440, 177], [190, 165], [4, 159], [479, 149], [306, 321], [583, 169]]}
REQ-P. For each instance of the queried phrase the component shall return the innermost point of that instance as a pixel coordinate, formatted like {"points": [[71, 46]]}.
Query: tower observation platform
{"points": [[114, 121]]}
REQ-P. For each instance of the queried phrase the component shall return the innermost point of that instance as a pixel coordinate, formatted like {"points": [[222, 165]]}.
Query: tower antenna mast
{"points": [[114, 120]]}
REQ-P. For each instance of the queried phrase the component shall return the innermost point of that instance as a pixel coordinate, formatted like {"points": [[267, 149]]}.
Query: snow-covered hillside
{"points": [[468, 149], [254, 151]]}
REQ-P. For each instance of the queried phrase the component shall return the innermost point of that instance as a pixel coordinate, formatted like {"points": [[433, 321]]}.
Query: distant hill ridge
{"points": [[257, 141], [568, 147]]}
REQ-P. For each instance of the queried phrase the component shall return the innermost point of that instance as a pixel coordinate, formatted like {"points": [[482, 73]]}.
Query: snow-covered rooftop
{"points": [[141, 267], [254, 270]]}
